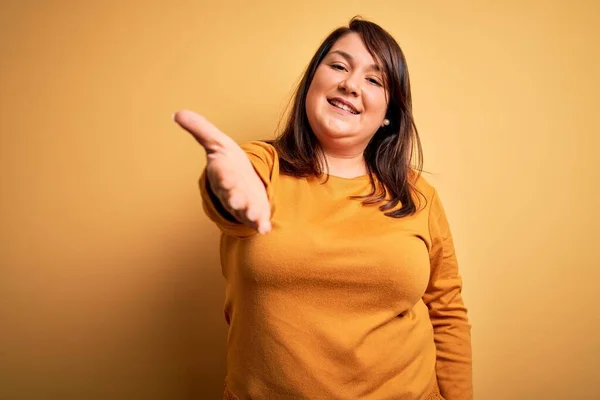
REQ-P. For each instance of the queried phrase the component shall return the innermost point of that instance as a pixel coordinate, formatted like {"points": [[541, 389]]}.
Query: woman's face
{"points": [[347, 100]]}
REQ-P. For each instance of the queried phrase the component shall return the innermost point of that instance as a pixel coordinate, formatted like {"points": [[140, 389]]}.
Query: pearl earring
{"points": [[386, 122]]}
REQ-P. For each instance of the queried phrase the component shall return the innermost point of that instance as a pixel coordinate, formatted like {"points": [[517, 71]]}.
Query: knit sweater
{"points": [[339, 301]]}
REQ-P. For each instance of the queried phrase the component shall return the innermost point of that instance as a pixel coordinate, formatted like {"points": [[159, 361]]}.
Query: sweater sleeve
{"points": [[448, 314], [264, 160]]}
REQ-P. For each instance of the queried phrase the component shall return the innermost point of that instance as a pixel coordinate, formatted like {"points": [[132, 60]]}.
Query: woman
{"points": [[342, 282]]}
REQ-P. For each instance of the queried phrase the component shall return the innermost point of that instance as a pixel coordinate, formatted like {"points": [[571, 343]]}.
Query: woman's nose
{"points": [[349, 85]]}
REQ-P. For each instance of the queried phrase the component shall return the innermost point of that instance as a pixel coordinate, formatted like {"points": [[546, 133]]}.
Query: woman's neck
{"points": [[347, 165]]}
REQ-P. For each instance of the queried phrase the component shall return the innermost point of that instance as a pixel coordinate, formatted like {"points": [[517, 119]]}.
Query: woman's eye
{"points": [[339, 67], [374, 81]]}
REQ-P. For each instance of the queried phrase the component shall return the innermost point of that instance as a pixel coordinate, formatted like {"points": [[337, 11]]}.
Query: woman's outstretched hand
{"points": [[230, 174]]}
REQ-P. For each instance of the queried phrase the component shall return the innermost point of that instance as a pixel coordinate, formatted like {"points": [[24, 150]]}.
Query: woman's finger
{"points": [[208, 135]]}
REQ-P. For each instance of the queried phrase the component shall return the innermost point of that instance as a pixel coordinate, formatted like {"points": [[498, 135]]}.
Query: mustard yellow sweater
{"points": [[340, 301]]}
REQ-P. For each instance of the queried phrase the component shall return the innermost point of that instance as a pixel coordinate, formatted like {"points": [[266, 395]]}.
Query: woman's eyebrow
{"points": [[350, 59]]}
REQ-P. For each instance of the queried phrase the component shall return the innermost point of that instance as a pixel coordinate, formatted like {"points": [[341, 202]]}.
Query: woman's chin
{"points": [[338, 129], [335, 134]]}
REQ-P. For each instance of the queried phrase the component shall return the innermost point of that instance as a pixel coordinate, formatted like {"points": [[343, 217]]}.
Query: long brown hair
{"points": [[390, 152]]}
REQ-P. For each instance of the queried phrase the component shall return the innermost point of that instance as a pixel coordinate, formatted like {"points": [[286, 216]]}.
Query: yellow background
{"points": [[110, 286]]}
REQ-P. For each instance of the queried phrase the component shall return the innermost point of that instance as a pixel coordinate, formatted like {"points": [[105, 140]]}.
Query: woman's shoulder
{"points": [[262, 155], [421, 184], [261, 149], [429, 199]]}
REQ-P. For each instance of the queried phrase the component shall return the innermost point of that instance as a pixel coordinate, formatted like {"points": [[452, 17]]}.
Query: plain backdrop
{"points": [[110, 284]]}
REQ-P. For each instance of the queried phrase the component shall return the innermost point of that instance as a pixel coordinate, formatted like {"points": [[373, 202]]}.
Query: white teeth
{"points": [[342, 106]]}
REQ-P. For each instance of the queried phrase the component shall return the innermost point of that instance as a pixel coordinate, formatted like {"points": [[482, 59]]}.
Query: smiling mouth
{"points": [[342, 106]]}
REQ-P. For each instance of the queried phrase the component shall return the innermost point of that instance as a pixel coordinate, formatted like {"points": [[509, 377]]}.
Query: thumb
{"points": [[208, 135]]}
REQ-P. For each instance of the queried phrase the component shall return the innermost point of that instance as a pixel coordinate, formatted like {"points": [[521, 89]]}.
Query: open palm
{"points": [[231, 176]]}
